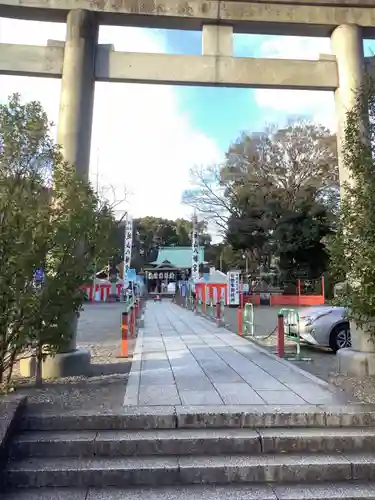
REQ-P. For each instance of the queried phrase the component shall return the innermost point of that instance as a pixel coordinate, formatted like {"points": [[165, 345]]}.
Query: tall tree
{"points": [[299, 236], [283, 189], [300, 155]]}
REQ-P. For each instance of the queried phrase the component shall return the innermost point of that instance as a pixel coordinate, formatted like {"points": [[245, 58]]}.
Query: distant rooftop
{"points": [[179, 257]]}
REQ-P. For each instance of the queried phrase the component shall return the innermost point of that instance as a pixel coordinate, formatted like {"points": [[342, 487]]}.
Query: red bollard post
{"points": [[240, 321], [280, 336], [218, 313], [132, 322], [135, 322], [137, 309], [124, 335]]}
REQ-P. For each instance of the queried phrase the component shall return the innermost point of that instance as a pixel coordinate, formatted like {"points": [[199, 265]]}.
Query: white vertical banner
{"points": [[128, 244], [233, 283], [195, 250]]}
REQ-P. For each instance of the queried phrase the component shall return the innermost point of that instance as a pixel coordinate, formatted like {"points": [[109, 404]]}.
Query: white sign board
{"points": [[233, 284]]}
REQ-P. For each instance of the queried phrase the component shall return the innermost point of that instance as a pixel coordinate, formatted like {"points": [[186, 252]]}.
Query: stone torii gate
{"points": [[81, 61]]}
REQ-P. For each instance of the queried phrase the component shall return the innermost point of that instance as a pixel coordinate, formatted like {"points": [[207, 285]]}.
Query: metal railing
{"points": [[291, 319], [248, 320]]}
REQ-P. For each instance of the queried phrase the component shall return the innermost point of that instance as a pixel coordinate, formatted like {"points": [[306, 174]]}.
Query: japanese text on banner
{"points": [[128, 243], [195, 250]]}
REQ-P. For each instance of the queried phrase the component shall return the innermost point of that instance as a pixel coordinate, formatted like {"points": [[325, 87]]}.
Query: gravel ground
{"points": [[99, 331], [321, 362]]}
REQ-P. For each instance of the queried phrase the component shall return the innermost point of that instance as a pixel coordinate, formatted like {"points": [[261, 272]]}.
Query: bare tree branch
{"points": [[110, 195], [210, 196]]}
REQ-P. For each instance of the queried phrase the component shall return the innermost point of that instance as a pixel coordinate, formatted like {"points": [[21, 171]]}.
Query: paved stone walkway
{"points": [[184, 359]]}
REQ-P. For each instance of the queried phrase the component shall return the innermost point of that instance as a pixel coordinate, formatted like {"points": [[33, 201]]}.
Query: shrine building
{"points": [[173, 264]]}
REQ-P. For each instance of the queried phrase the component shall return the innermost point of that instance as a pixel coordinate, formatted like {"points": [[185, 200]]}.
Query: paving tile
{"points": [[159, 395], [264, 383], [281, 398], [187, 360], [312, 393], [157, 378], [198, 383], [198, 397], [150, 356], [238, 393]]}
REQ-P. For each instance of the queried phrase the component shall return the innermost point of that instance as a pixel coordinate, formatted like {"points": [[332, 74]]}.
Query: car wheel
{"points": [[340, 337]]}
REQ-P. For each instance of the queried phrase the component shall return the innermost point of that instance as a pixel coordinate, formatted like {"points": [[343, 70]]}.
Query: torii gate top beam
{"points": [[277, 17]]}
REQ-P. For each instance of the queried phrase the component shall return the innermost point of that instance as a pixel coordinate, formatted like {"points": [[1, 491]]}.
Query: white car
{"points": [[325, 326]]}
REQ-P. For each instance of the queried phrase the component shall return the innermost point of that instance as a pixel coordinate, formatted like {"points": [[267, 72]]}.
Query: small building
{"points": [[173, 264]]}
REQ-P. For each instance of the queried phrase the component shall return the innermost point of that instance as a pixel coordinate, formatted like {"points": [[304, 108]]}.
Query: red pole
{"points": [[132, 322], [280, 336], [323, 290], [239, 321], [218, 313], [124, 335], [136, 308]]}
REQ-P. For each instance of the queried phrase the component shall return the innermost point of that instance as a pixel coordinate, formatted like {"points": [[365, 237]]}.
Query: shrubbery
{"points": [[50, 219]]}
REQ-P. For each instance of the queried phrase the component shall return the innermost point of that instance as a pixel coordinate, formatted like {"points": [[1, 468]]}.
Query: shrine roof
{"points": [[178, 257]]}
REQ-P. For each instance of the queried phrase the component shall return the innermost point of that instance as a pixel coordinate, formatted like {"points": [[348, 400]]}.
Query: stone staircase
{"points": [[179, 453]]}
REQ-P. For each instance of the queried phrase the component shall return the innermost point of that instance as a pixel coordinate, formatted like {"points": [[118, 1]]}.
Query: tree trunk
{"points": [[38, 368], [11, 365]]}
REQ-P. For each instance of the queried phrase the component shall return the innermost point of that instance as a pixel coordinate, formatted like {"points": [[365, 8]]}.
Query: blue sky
{"points": [[146, 138], [220, 112], [225, 112]]}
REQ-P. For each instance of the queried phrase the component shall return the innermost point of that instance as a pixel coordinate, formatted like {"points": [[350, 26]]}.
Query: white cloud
{"points": [[144, 140], [317, 104]]}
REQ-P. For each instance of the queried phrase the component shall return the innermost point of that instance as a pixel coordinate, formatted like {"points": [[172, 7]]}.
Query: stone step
{"points": [[205, 416], [191, 442], [167, 470], [129, 443], [328, 491]]}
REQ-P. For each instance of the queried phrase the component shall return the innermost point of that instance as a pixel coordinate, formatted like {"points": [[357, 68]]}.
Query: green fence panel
{"points": [[292, 332], [248, 320]]}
